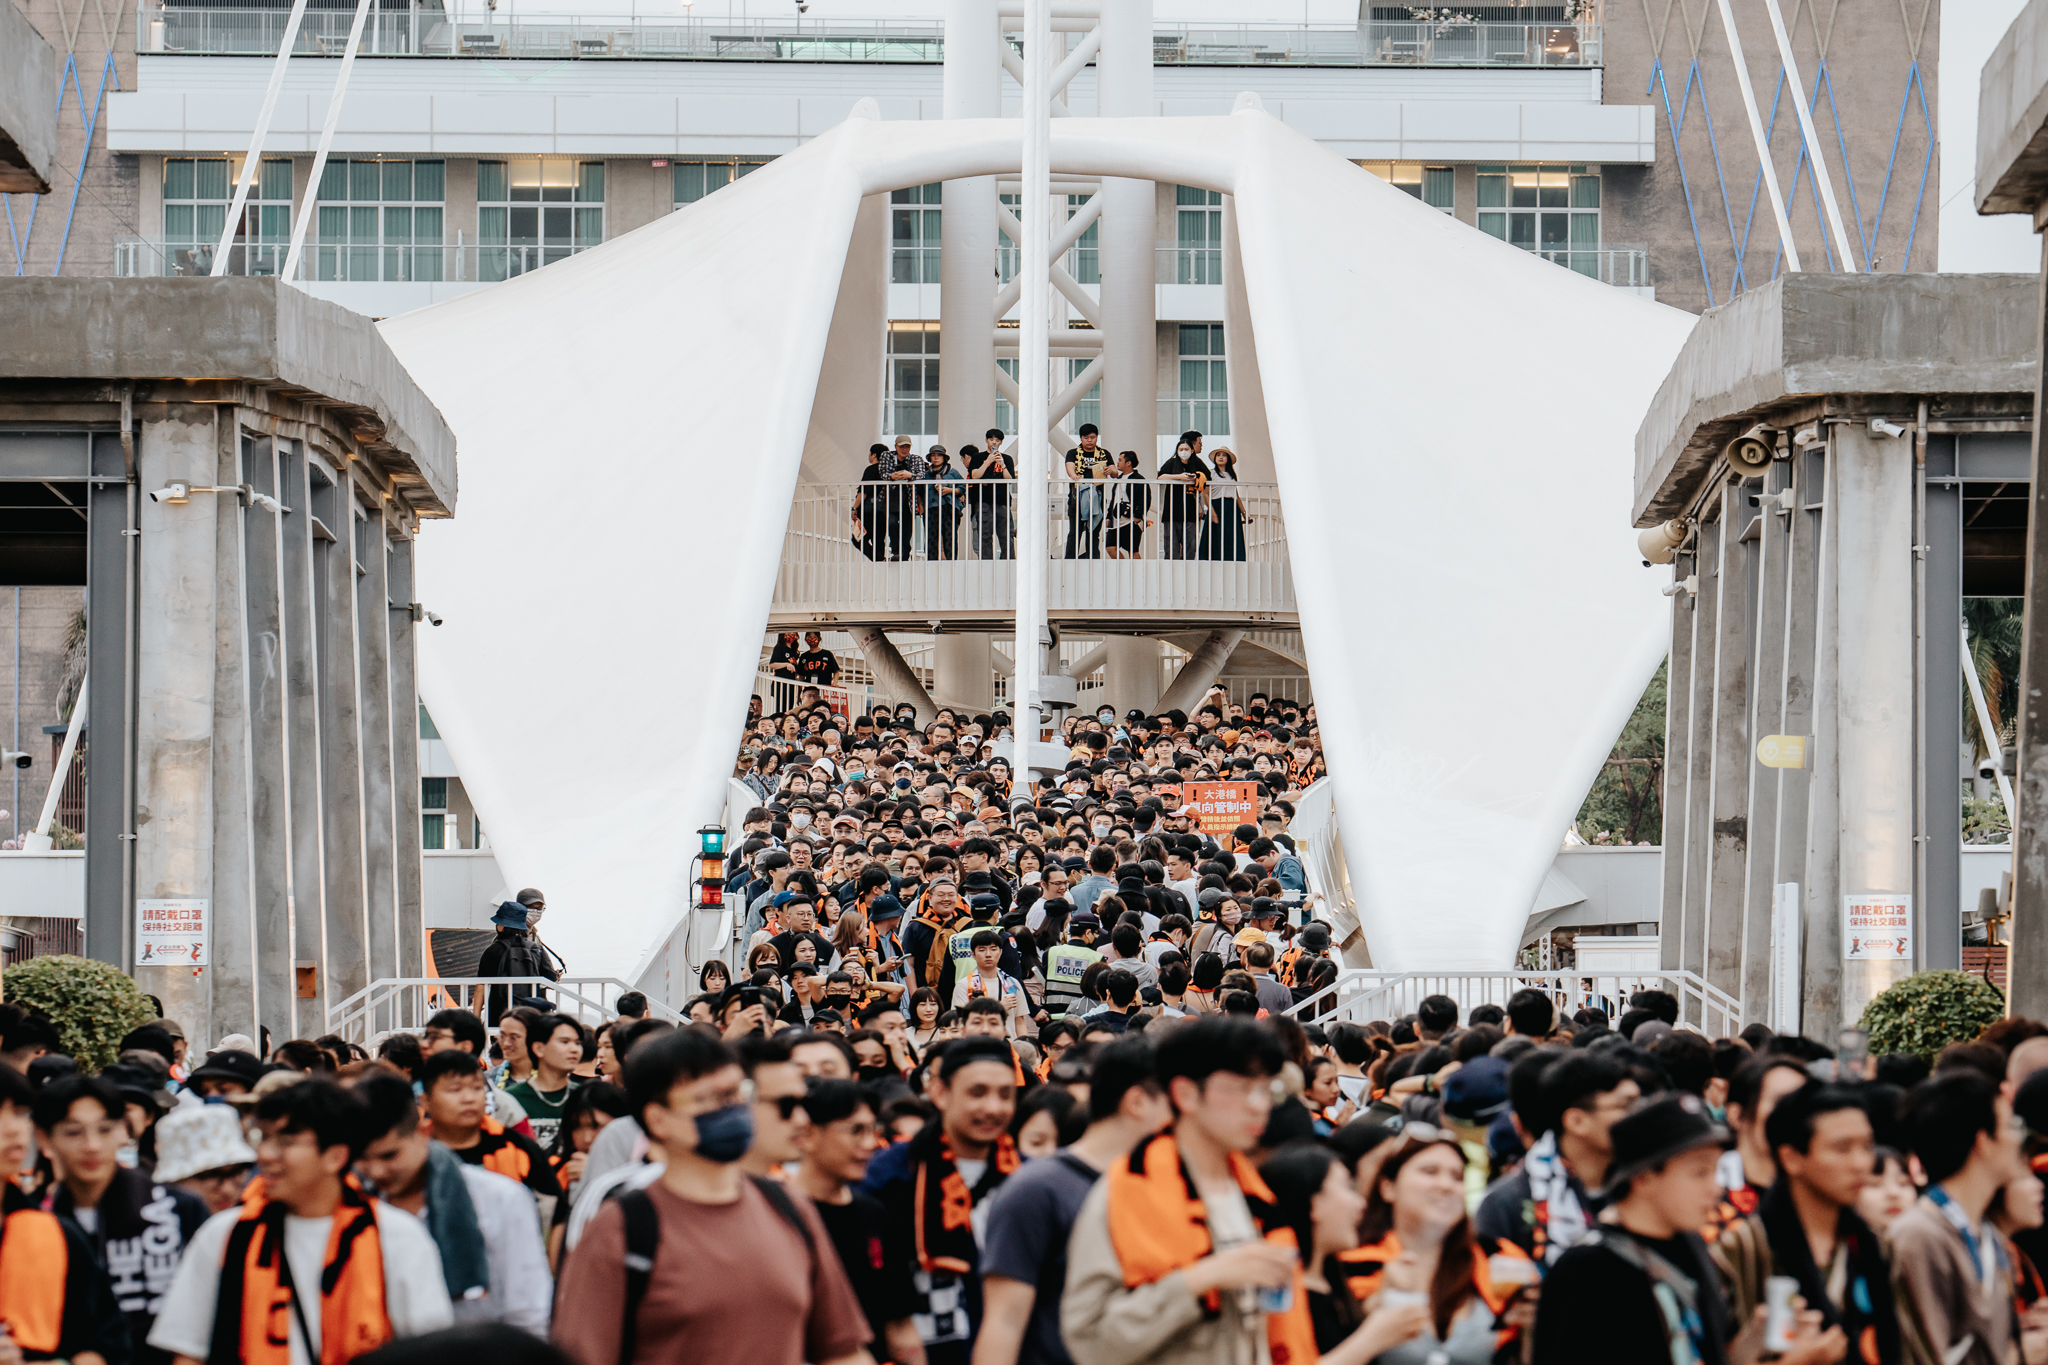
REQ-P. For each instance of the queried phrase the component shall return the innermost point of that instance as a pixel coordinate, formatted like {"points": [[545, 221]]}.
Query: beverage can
{"points": [[1277, 1300], [1779, 1291]]}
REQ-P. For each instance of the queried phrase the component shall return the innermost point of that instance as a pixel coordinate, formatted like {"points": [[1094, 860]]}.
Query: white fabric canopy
{"points": [[1451, 420]]}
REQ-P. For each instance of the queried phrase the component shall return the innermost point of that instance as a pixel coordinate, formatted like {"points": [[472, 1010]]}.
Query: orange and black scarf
{"points": [[1158, 1224], [254, 1318], [944, 1207]]}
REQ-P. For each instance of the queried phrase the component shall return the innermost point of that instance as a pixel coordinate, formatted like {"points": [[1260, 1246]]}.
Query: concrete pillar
{"points": [[1730, 752], [895, 682], [1123, 73], [175, 745], [2027, 963], [1131, 673], [1821, 959], [1876, 696], [302, 736], [380, 828], [347, 930], [973, 88], [272, 887], [405, 761], [963, 670], [1202, 668], [1677, 734], [240, 990], [108, 820]]}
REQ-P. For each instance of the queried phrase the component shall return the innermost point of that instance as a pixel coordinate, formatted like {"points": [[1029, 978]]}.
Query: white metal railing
{"points": [[1360, 995], [479, 30], [923, 545], [460, 262], [1623, 266], [405, 1003]]}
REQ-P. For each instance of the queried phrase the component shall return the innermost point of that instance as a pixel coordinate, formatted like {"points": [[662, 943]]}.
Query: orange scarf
{"points": [[945, 1230], [254, 1320], [1364, 1271], [1157, 1225]]}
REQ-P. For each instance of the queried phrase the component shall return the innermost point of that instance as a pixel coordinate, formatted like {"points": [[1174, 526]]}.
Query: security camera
{"points": [[1808, 435], [418, 611], [177, 493], [1880, 427], [15, 758], [1752, 451], [1987, 768]]}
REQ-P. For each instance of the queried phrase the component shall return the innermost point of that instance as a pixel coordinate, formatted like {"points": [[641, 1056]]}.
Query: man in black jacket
{"points": [[517, 952]]}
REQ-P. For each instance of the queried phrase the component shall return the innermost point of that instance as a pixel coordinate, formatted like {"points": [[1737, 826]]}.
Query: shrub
{"points": [[1929, 1010], [92, 1005]]}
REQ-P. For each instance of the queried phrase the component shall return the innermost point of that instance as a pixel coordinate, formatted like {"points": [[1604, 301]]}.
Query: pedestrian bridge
{"points": [[904, 554]]}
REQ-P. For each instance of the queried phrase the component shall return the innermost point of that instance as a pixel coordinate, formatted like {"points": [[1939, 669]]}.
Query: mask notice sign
{"points": [[1877, 926], [1220, 807], [170, 933]]}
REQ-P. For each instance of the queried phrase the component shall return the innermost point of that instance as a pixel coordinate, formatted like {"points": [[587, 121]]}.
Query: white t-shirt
{"points": [[590, 1198], [522, 1289], [414, 1295]]}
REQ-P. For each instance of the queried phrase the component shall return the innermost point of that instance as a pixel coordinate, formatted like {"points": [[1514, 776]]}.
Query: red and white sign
{"points": [[1877, 927], [1220, 807], [170, 933]]}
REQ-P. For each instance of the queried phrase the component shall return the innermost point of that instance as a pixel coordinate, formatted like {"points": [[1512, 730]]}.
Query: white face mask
{"points": [[801, 819], [1101, 831], [533, 914], [1230, 917]]}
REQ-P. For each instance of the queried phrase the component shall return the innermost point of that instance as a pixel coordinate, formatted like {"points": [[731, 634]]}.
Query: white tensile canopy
{"points": [[1451, 421]]}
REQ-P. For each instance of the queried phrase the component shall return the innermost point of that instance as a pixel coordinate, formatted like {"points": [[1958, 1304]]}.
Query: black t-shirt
{"points": [[1000, 496], [885, 1292], [1178, 502], [1596, 1306], [784, 945], [818, 666]]}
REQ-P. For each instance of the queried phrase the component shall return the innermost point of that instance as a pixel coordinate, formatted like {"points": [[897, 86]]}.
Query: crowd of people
{"points": [[1016, 1073], [908, 507]]}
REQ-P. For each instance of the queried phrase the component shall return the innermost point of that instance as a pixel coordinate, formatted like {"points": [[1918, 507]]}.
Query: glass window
{"points": [[1084, 262], [536, 212], [1431, 184], [1204, 401], [433, 812], [914, 235], [1089, 409], [197, 192], [1554, 210], [1198, 236], [695, 179], [1006, 415], [380, 220], [913, 407]]}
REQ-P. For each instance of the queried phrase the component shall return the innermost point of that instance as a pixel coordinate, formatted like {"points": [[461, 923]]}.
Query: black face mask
{"points": [[837, 1001], [870, 1074]]}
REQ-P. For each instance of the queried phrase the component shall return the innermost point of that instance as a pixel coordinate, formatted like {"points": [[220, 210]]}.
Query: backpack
{"points": [[643, 1240]]}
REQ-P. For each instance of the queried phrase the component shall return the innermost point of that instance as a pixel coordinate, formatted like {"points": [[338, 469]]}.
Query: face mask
{"points": [[533, 914], [1108, 718], [723, 1135], [871, 1074], [903, 784], [801, 819], [1231, 917], [1101, 831]]}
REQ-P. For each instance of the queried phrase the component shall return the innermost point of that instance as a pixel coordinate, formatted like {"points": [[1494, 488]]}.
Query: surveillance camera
{"points": [[1987, 768], [1808, 435], [433, 620], [1880, 427], [177, 493], [1752, 451], [15, 758]]}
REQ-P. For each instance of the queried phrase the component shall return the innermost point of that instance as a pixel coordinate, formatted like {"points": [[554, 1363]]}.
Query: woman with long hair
{"points": [[767, 774], [924, 1018], [1313, 1195], [1224, 534], [1416, 1238]]}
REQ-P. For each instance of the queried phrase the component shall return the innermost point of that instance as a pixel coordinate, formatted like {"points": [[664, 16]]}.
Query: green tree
{"points": [[92, 1004], [1626, 804], [1996, 626]]}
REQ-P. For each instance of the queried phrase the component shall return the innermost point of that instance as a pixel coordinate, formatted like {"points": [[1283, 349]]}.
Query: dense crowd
{"points": [[1020, 1072]]}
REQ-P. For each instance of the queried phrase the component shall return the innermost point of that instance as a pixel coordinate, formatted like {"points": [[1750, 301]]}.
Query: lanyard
{"points": [[1981, 1251]]}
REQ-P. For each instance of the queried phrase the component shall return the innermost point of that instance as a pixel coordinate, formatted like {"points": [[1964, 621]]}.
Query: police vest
{"points": [[1065, 965], [960, 947]]}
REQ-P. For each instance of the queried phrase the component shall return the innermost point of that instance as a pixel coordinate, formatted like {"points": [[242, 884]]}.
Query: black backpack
{"points": [[643, 1240]]}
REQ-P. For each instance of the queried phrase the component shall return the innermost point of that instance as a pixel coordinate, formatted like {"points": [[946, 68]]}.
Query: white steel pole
{"points": [[1763, 145], [310, 204], [1033, 364], [256, 136], [1824, 182]]}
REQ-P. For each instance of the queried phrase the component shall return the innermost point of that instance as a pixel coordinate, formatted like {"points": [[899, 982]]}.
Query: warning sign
{"points": [[170, 933], [1220, 807], [1877, 927]]}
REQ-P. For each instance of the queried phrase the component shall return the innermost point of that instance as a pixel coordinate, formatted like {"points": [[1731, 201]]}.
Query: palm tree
{"points": [[1996, 628]]}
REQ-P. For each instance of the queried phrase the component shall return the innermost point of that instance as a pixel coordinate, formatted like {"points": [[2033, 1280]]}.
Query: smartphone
{"points": [[750, 996]]}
